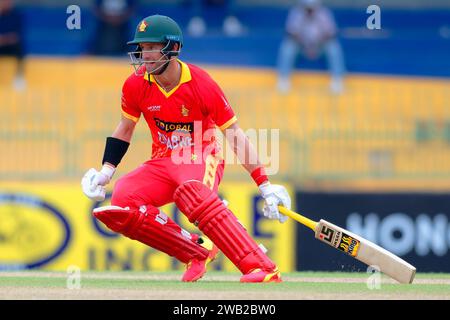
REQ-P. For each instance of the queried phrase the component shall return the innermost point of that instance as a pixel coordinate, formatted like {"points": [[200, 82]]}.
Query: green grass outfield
{"points": [[215, 286]]}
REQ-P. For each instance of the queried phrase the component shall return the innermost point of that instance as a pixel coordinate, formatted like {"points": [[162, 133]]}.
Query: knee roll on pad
{"points": [[153, 229], [205, 209]]}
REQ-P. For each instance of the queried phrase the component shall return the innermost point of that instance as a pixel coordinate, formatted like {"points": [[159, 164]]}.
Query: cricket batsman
{"points": [[182, 106]]}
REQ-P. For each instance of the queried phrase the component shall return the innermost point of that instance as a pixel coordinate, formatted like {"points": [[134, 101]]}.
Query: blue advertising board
{"points": [[413, 226]]}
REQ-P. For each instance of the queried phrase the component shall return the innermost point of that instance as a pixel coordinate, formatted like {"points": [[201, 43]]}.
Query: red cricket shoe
{"points": [[195, 269], [259, 275]]}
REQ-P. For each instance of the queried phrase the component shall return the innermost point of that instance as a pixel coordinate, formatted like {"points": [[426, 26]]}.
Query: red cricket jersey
{"points": [[197, 102]]}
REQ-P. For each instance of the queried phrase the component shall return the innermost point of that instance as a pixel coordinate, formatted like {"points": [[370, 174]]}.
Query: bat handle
{"points": [[298, 217]]}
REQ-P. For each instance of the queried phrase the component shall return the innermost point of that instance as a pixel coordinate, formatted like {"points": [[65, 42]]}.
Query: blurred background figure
{"points": [[197, 26], [311, 31], [113, 26], [11, 39]]}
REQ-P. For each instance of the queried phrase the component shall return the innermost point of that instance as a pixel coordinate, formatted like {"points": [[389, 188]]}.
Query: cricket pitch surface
{"points": [[127, 285]]}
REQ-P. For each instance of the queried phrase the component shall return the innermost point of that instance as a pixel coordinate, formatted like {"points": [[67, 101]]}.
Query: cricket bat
{"points": [[357, 247]]}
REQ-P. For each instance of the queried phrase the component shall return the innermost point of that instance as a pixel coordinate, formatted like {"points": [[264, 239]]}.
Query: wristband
{"points": [[115, 149], [259, 175]]}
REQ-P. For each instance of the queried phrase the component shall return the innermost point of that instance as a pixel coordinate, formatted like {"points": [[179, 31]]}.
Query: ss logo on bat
{"points": [[326, 234]]}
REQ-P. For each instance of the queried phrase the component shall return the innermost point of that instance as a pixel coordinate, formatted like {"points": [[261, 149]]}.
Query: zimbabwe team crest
{"points": [[184, 111], [142, 26]]}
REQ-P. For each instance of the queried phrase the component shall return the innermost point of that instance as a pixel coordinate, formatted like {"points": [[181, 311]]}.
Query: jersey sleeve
{"points": [[130, 107], [218, 106]]}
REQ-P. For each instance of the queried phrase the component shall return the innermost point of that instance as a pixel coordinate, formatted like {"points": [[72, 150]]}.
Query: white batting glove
{"points": [[274, 195], [93, 182]]}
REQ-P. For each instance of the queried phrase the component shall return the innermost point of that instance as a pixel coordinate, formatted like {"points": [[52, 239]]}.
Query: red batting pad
{"points": [[205, 209], [153, 228]]}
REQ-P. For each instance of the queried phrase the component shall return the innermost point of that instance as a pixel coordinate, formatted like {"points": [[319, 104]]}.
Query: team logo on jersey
{"points": [[143, 26], [174, 126], [184, 111]]}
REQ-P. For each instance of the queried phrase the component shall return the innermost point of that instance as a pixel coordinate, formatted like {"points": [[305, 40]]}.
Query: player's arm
{"points": [[244, 149], [124, 130], [116, 146], [273, 195]]}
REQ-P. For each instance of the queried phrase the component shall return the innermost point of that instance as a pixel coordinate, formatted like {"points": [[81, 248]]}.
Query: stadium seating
{"points": [[389, 128]]}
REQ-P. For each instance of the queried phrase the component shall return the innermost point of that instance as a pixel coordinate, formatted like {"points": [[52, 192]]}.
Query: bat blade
{"points": [[365, 251]]}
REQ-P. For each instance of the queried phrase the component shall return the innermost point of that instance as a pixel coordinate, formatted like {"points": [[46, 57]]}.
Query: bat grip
{"points": [[299, 218]]}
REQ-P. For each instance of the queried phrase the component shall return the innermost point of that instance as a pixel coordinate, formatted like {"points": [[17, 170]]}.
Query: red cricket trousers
{"points": [[155, 181]]}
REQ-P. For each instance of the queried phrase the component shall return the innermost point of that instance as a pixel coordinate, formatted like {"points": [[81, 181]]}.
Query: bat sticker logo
{"points": [[349, 245], [326, 234]]}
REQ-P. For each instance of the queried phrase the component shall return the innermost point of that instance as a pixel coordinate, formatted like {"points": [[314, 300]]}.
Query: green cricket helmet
{"points": [[159, 29]]}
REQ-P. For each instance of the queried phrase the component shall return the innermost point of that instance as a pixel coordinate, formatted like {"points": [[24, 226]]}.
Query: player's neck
{"points": [[170, 77]]}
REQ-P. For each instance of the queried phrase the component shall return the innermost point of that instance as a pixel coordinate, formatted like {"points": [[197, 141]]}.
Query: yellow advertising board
{"points": [[50, 226]]}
